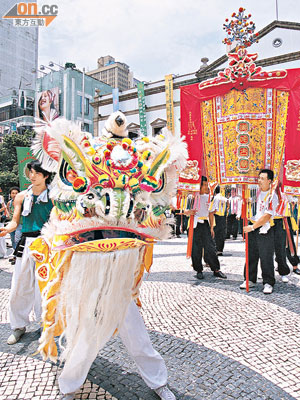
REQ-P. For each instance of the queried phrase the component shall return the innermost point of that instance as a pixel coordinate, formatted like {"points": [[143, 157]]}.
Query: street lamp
{"points": [[42, 67], [34, 71], [51, 64]]}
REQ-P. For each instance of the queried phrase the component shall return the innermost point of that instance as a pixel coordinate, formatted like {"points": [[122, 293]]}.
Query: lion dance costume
{"points": [[109, 195]]}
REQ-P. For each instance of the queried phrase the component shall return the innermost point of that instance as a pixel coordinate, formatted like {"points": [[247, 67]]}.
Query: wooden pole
{"points": [[298, 215], [288, 236], [245, 205]]}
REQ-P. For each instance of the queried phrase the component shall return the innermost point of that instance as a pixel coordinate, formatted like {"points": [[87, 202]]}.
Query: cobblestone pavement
{"points": [[218, 341]]}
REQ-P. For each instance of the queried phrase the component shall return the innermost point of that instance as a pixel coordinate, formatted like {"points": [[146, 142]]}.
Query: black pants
{"points": [[232, 226], [177, 223], [261, 246], [220, 232], [294, 260], [280, 251], [202, 240]]}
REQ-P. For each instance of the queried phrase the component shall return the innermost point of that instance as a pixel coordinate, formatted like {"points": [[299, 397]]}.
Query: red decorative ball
{"points": [[241, 9], [256, 34], [226, 20], [249, 16]]}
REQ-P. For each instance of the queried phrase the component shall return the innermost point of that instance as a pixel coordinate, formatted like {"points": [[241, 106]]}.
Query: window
{"points": [[157, 126], [133, 135], [86, 127], [157, 131], [86, 105]]}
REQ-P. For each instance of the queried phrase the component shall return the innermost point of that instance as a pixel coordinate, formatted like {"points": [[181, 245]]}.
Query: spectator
{"points": [[15, 236], [3, 217]]}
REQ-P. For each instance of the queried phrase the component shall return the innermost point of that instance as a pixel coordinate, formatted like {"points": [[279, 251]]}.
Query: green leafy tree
{"points": [[9, 174]]}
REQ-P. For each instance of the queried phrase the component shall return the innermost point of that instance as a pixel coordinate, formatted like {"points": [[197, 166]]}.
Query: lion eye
{"points": [[90, 196]]}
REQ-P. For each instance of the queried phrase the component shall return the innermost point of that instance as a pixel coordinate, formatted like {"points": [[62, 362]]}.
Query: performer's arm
{"points": [[13, 224], [257, 224]]}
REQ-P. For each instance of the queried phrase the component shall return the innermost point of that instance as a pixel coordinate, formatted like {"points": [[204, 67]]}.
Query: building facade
{"points": [[18, 54], [114, 73]]}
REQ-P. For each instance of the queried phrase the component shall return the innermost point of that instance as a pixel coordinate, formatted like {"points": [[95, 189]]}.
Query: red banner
{"points": [[291, 174], [190, 128], [243, 125]]}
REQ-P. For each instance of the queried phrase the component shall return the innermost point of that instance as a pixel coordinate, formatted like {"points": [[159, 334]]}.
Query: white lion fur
{"points": [[95, 295]]}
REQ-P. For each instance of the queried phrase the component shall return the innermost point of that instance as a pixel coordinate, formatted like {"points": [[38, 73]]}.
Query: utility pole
{"points": [[276, 9]]}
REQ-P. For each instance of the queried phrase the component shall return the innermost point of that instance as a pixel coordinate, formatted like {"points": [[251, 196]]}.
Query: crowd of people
{"points": [[270, 231]]}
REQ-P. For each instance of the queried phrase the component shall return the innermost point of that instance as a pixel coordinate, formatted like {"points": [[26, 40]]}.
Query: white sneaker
{"points": [[165, 393], [284, 278], [268, 289], [251, 285], [16, 335]]}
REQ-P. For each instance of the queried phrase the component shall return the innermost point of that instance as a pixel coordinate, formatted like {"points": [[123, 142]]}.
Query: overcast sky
{"points": [[154, 37]]}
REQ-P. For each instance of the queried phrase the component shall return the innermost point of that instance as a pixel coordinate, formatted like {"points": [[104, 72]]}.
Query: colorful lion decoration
{"points": [[110, 194]]}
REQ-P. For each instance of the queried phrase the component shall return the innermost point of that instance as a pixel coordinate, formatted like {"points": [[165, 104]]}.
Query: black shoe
{"points": [[200, 275], [219, 253], [220, 274], [296, 271], [178, 236]]}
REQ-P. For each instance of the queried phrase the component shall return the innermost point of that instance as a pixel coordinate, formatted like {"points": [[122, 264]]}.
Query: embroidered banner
{"points": [[291, 175], [169, 102], [243, 125], [142, 108]]}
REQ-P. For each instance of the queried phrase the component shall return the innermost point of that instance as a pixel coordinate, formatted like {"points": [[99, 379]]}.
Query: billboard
{"points": [[48, 104]]}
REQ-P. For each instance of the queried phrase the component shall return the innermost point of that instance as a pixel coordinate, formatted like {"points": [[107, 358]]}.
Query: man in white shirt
{"points": [[261, 234], [234, 213], [203, 234]]}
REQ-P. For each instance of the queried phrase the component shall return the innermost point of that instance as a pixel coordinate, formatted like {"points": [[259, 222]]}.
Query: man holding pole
{"points": [[261, 234]]}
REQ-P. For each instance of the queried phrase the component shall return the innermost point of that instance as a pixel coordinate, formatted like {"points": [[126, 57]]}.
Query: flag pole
{"points": [[245, 205]]}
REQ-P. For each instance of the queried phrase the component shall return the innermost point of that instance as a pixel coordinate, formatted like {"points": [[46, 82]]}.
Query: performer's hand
{"points": [[3, 232], [248, 228], [212, 232]]}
